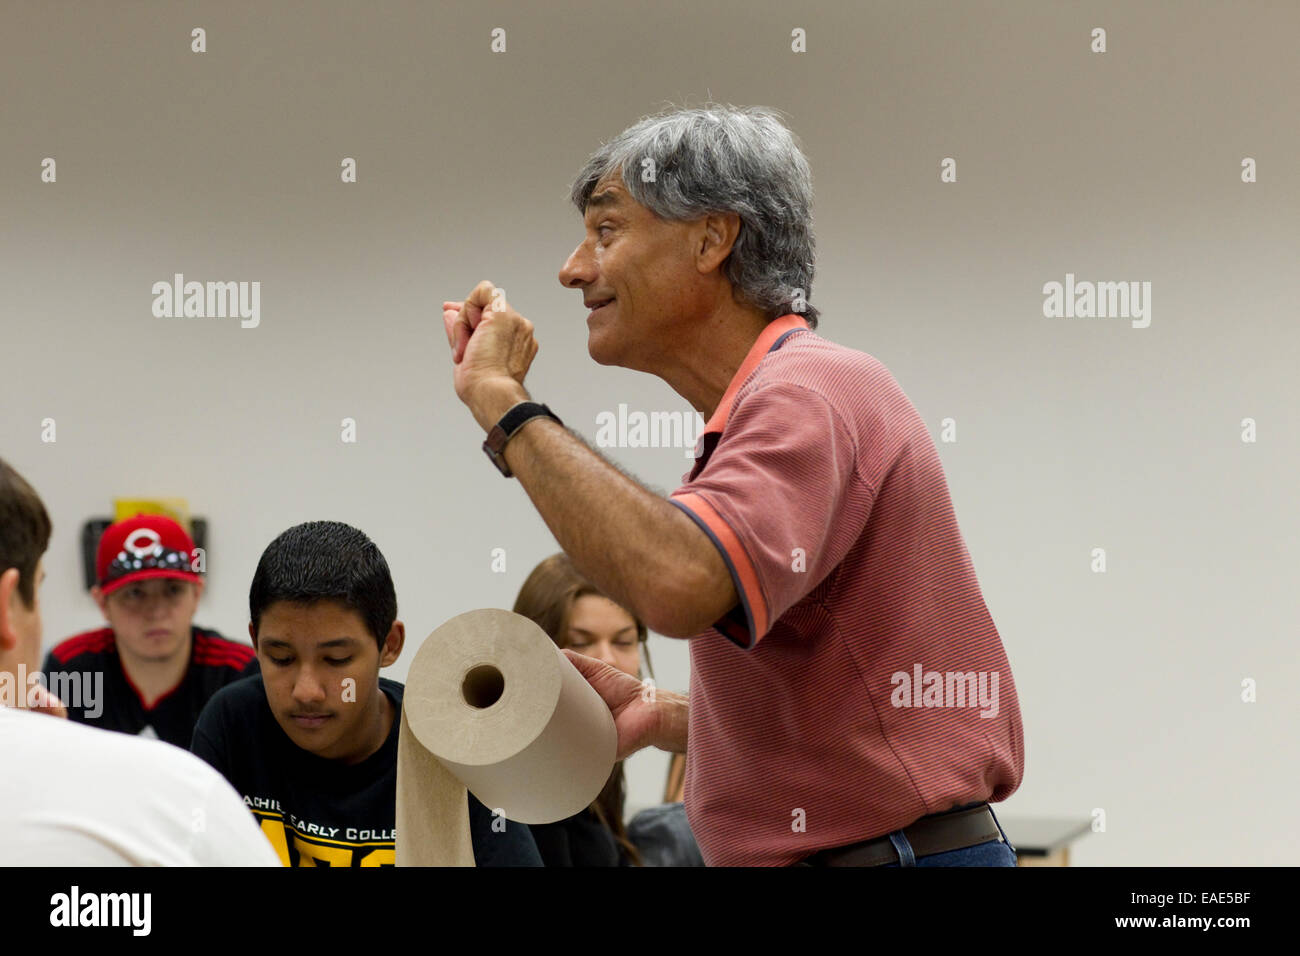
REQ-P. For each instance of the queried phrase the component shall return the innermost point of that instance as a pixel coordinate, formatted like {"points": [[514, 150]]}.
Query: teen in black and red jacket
{"points": [[151, 671]]}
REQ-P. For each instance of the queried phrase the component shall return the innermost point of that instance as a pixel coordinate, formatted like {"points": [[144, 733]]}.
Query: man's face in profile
{"points": [[643, 266]]}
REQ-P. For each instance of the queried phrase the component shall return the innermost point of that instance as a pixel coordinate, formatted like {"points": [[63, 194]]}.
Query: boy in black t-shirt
{"points": [[311, 744]]}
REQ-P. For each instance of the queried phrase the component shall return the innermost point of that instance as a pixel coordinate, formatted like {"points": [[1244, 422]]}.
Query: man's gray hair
{"points": [[684, 164]]}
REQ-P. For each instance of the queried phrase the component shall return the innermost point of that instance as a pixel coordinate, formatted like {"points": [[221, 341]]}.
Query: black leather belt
{"points": [[936, 833]]}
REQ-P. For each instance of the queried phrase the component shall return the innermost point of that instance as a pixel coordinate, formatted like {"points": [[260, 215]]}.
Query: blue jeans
{"points": [[991, 853]]}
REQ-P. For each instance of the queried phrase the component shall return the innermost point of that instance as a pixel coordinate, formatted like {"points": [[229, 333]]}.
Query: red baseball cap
{"points": [[146, 546]]}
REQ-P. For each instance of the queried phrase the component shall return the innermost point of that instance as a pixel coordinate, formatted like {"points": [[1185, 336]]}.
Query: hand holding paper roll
{"points": [[491, 704], [644, 716]]}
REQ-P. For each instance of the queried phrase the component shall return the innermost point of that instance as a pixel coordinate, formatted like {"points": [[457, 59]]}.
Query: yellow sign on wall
{"points": [[178, 509]]}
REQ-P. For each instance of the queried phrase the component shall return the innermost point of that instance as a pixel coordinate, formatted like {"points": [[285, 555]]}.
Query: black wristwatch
{"points": [[510, 423]]}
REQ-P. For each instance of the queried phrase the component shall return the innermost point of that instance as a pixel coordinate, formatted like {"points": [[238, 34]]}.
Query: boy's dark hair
{"points": [[326, 561], [24, 530]]}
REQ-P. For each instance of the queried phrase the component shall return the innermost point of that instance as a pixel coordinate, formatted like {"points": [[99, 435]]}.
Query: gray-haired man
{"points": [[812, 551]]}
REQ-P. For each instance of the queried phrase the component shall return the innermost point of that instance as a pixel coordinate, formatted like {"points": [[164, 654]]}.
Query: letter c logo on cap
{"points": [[153, 545]]}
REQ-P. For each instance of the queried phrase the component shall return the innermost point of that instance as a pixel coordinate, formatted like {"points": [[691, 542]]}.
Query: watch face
{"points": [[495, 443]]}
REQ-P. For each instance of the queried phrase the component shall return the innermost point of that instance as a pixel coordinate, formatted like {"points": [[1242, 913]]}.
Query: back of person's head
{"points": [[326, 561], [24, 536], [547, 598], [24, 531]]}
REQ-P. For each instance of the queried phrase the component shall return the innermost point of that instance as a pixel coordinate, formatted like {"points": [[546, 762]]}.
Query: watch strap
{"points": [[514, 419]]}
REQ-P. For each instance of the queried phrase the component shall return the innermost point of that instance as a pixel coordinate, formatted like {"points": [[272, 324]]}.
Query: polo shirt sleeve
{"points": [[781, 499]]}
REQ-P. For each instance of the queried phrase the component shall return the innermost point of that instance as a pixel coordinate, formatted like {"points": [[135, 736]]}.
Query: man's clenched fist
{"points": [[492, 349]]}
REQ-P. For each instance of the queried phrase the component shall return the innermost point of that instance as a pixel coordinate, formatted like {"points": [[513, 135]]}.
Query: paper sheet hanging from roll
{"points": [[493, 705]]}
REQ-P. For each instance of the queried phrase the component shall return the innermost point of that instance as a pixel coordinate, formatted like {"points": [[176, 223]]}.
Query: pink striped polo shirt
{"points": [[860, 682]]}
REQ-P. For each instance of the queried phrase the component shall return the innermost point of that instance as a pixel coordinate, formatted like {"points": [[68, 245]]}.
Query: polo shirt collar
{"points": [[770, 338]]}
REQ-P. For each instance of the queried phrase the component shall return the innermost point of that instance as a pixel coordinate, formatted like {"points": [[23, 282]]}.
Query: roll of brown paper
{"points": [[493, 705]]}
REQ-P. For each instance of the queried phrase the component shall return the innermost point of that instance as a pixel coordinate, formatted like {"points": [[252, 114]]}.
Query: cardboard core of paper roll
{"points": [[482, 686], [492, 705]]}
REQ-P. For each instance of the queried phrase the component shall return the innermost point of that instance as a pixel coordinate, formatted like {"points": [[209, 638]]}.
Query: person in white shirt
{"points": [[72, 795]]}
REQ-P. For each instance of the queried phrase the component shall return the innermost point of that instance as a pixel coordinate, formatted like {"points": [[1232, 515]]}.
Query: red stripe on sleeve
{"points": [[747, 584]]}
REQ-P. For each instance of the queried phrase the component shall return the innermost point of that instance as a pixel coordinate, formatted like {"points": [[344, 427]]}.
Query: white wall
{"points": [[1072, 434]]}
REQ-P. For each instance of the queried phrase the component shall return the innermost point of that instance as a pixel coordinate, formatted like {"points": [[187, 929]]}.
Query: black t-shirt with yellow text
{"points": [[319, 812]]}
